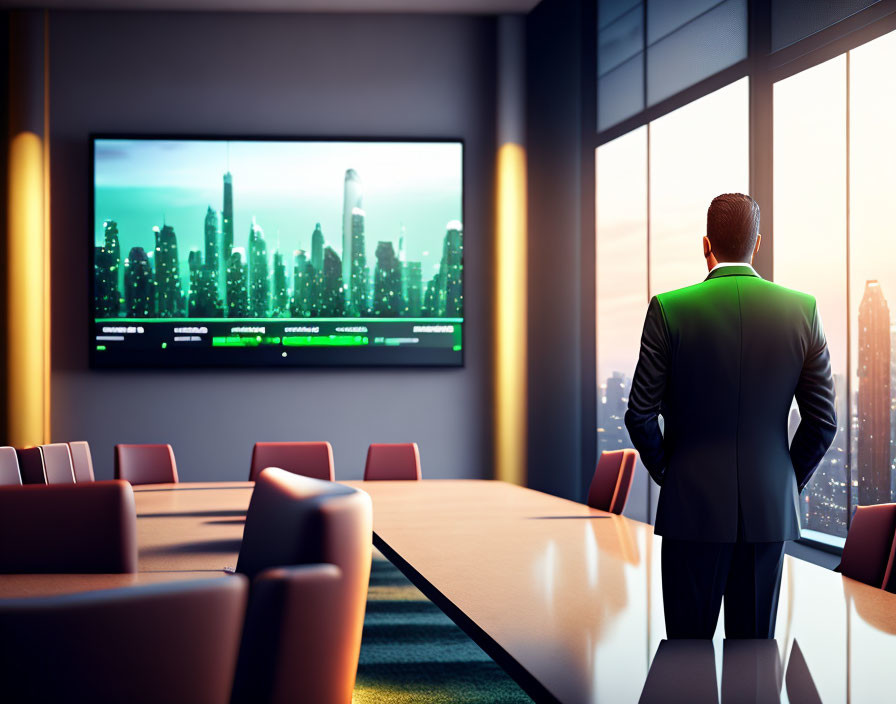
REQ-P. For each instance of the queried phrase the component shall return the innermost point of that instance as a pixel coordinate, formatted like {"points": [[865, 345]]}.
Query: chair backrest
{"points": [[612, 480], [869, 544], [392, 461], [58, 463], [307, 548], [65, 528], [168, 642], [82, 461], [145, 464], [9, 467], [31, 465], [296, 520], [309, 459]]}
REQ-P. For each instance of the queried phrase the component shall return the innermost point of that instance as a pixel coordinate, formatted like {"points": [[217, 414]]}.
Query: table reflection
{"points": [[752, 671]]}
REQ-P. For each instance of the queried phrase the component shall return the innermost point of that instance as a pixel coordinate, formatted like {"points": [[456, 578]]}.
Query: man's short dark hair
{"points": [[732, 224]]}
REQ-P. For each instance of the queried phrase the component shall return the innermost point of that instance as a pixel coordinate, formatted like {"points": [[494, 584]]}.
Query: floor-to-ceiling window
{"points": [[872, 276], [810, 247], [835, 175]]}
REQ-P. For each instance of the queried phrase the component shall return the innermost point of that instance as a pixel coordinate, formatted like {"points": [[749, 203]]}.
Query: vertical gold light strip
{"points": [[511, 244], [510, 315], [48, 276], [27, 255]]}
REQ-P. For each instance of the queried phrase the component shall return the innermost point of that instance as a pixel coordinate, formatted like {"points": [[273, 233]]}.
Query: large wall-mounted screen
{"points": [[254, 252]]}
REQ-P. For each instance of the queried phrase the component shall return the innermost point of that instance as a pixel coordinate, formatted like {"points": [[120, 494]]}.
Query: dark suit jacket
{"points": [[721, 361]]}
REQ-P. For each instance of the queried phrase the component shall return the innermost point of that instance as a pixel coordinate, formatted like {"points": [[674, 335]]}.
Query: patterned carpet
{"points": [[412, 652]]}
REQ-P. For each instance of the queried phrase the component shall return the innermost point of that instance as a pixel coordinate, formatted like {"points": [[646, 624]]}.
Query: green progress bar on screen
{"points": [[237, 341], [325, 341]]}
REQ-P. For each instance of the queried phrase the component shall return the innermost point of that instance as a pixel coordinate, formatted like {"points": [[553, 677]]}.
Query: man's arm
{"points": [[646, 396], [815, 398]]}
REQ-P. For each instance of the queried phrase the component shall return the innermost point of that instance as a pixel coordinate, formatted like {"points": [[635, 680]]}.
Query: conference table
{"points": [[567, 599]]}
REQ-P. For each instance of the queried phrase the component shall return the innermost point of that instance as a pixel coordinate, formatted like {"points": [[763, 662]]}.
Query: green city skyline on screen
{"points": [[257, 229]]}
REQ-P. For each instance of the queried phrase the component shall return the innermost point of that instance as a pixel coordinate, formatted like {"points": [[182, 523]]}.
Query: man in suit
{"points": [[721, 362]]}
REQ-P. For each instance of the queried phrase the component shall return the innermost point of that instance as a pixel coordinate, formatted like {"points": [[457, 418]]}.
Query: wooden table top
{"points": [[569, 599], [566, 598], [190, 526]]}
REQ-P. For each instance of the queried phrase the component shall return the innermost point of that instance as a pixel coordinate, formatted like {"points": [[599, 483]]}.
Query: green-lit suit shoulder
{"points": [[721, 361]]}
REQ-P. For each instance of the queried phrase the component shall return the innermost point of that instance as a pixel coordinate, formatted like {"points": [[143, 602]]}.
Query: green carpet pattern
{"points": [[412, 652]]}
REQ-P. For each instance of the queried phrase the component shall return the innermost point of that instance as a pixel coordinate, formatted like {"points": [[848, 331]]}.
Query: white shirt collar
{"points": [[721, 264]]}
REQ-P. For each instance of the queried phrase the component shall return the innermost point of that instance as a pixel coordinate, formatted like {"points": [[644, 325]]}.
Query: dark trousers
{"points": [[697, 575]]}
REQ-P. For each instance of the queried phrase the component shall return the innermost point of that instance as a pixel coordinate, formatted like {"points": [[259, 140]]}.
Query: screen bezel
{"points": [[263, 358]]}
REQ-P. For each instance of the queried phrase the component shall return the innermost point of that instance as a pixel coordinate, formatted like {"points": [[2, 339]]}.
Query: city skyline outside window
{"points": [[872, 276], [810, 248], [834, 146], [621, 230]]}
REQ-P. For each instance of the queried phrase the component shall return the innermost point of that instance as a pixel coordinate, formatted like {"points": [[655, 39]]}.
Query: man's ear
{"points": [[707, 247], [758, 242]]}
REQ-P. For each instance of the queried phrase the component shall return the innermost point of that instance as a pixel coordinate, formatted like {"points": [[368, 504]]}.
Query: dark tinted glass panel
{"points": [[620, 40], [793, 20], [710, 43], [666, 17]]}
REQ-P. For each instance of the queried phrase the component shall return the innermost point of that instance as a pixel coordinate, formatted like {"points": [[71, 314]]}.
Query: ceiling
{"points": [[485, 7]]}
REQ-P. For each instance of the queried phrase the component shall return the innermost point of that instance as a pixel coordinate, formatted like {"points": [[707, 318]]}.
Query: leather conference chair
{"points": [[145, 464], [82, 461], [67, 528], [58, 463], [309, 459], [307, 549], [868, 551], [31, 465], [392, 461], [173, 642], [9, 467], [612, 480]]}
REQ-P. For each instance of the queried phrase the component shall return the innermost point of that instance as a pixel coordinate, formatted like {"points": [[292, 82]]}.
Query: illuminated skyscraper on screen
{"points": [[169, 293], [329, 290], [353, 191], [138, 285], [211, 238], [452, 268], [303, 280], [112, 246], [237, 285], [358, 304], [873, 398], [386, 282], [412, 288], [226, 229], [280, 293], [317, 248], [259, 283], [106, 273], [105, 293]]}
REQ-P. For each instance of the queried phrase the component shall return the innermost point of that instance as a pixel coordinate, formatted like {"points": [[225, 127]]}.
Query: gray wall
{"points": [[391, 76]]}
